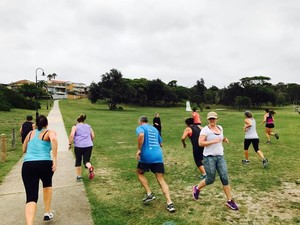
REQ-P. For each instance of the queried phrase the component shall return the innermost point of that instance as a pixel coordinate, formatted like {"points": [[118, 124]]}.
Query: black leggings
{"points": [[32, 172], [82, 154], [198, 155], [254, 141]]}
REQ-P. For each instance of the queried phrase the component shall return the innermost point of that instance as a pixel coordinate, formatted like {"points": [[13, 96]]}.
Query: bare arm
{"points": [[54, 146], [24, 146], [185, 135], [248, 124], [202, 141], [71, 136], [92, 134], [265, 118], [140, 145]]}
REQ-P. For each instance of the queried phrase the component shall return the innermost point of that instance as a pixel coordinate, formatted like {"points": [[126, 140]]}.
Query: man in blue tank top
{"points": [[150, 157]]}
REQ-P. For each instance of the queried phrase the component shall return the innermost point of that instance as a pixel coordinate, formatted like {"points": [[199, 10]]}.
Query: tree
{"points": [[256, 80], [94, 93], [51, 76], [260, 95], [156, 91], [227, 95], [112, 88], [182, 93], [294, 93], [27, 90], [172, 83], [209, 96], [14, 99], [197, 93], [242, 102], [170, 97], [141, 87]]}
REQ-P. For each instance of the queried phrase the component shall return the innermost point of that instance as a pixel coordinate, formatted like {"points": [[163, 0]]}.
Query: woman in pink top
{"points": [[269, 121]]}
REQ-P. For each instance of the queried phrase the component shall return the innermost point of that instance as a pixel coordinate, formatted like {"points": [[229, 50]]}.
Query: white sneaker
{"points": [[48, 216]]}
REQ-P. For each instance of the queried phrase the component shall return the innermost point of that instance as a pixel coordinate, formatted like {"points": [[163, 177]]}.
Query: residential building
{"points": [[58, 89]]}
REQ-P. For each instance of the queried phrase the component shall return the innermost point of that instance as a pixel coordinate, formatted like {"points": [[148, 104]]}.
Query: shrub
{"points": [[12, 99]]}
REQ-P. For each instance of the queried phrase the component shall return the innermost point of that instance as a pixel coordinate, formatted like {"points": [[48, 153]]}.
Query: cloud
{"points": [[219, 41]]}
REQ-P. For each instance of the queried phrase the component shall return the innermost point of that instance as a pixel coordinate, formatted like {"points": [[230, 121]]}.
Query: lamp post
{"points": [[36, 92]]}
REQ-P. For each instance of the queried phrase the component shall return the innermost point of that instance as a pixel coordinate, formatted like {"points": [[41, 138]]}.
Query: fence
{"points": [[3, 153], [3, 145]]}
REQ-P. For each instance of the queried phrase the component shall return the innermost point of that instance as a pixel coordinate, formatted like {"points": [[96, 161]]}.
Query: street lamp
{"points": [[36, 92]]}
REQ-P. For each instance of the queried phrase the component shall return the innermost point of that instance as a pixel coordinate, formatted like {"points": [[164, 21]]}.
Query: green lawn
{"points": [[265, 196], [10, 124]]}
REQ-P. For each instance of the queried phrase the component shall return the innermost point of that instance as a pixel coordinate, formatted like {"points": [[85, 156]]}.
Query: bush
{"points": [[12, 99], [4, 106]]}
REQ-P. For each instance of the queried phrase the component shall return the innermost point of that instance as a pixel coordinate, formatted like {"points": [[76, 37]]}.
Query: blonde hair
{"points": [[248, 114]]}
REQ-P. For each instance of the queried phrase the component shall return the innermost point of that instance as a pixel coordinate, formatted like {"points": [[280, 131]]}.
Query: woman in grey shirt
{"points": [[251, 136]]}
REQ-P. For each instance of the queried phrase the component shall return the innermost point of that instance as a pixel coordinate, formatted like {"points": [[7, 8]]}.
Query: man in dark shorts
{"points": [[150, 158]]}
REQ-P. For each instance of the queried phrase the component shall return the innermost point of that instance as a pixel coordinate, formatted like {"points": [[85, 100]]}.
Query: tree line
{"points": [[248, 92]]}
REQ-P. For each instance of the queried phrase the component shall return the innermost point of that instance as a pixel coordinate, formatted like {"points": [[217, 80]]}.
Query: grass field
{"points": [[265, 196], [11, 123]]}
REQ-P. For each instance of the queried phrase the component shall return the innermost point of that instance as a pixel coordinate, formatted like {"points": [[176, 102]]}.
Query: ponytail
{"points": [[81, 118], [41, 122]]}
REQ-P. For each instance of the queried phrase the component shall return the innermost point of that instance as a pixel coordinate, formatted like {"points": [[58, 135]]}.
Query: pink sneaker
{"points": [[91, 173], [196, 192], [231, 204]]}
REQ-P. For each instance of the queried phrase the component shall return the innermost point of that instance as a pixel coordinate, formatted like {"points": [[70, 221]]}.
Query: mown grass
{"points": [[265, 196], [115, 194], [10, 123]]}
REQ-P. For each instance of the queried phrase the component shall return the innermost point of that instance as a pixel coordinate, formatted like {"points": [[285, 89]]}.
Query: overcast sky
{"points": [[220, 41]]}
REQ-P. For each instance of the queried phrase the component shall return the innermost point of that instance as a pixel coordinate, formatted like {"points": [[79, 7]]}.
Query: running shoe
{"points": [[196, 192], [170, 207], [245, 161], [79, 179], [265, 163], [276, 136], [91, 173], [149, 198], [231, 204], [48, 216]]}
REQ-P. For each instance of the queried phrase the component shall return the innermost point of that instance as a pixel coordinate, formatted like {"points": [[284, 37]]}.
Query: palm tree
{"points": [[49, 76], [52, 76]]}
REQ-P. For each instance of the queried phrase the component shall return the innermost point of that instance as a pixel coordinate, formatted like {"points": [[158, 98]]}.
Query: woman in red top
{"points": [[196, 117]]}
